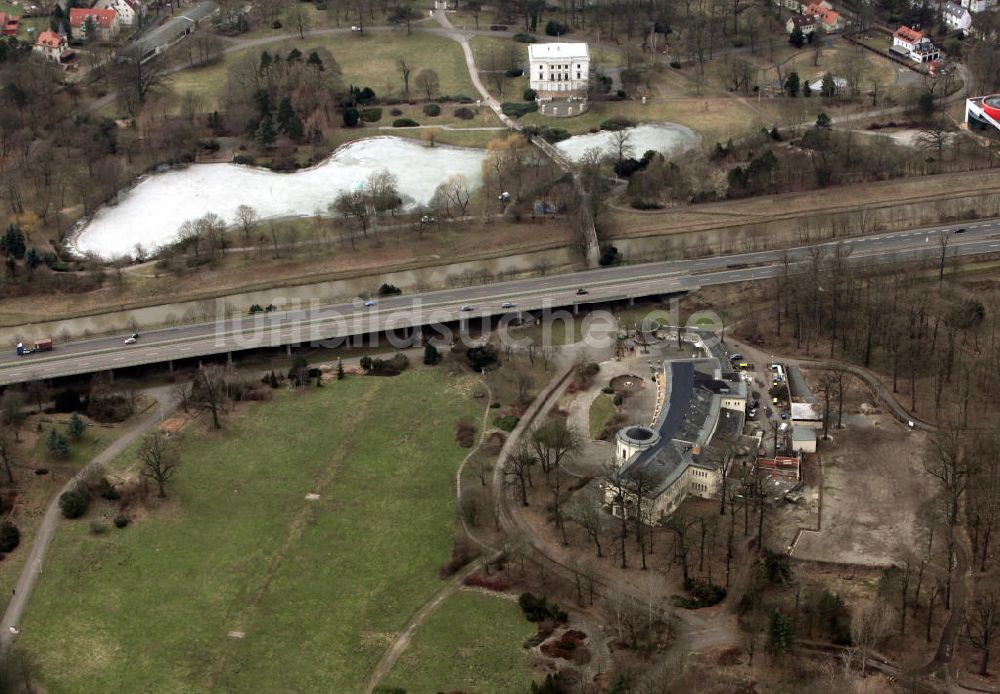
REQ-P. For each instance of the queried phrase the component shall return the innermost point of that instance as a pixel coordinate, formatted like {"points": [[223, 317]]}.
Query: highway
{"points": [[340, 321]]}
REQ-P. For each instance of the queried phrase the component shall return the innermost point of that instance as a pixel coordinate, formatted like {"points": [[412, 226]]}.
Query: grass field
{"points": [[472, 643], [601, 410], [319, 588], [364, 60]]}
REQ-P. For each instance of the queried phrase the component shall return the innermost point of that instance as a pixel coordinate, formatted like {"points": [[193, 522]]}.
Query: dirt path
{"points": [[36, 557]]}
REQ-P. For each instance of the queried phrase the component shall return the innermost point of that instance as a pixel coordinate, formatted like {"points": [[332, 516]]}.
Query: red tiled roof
{"points": [[823, 14], [909, 35], [102, 18], [49, 39]]}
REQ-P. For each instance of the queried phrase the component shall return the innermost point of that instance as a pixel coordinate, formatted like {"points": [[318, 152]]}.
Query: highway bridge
{"points": [[401, 313]]}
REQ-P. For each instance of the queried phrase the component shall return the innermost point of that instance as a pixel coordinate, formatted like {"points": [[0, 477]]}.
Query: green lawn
{"points": [[601, 410], [364, 60], [319, 588], [94, 438], [472, 643]]}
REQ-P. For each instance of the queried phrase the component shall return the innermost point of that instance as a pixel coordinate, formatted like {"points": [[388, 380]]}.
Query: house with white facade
{"points": [[559, 70], [803, 22], [129, 11], [979, 5], [914, 45], [53, 46], [956, 17]]}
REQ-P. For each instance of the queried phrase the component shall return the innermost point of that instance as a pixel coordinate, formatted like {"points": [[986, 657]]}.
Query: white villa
{"points": [[559, 70]]}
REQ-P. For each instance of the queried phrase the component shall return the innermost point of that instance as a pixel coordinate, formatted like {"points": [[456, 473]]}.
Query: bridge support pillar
{"points": [[288, 349], [416, 335], [170, 366], [576, 309], [229, 358], [631, 301], [111, 375]]}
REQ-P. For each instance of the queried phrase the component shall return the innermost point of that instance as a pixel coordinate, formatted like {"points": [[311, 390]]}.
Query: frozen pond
{"points": [[152, 212], [668, 138]]}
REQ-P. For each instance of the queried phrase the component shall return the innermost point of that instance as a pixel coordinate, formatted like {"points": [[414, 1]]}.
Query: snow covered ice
{"points": [[152, 212], [667, 138]]}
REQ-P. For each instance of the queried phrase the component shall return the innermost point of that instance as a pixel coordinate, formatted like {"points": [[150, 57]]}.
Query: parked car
{"points": [[784, 416]]}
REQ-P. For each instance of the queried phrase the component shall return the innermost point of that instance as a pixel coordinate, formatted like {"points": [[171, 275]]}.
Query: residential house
{"points": [[803, 22], [54, 47], [105, 23], [793, 5], [803, 440], [956, 17], [560, 70], [829, 20], [979, 5], [914, 45], [129, 11], [9, 24]]}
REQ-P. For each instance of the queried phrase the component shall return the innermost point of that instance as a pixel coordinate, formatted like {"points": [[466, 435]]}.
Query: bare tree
{"points": [[982, 621], [621, 145], [246, 218], [7, 454], [428, 82], [354, 204], [210, 391], [159, 460], [517, 469], [868, 628], [404, 70]]}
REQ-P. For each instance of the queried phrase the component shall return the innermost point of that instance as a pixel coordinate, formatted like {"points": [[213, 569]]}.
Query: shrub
{"points": [[482, 358], [641, 204], [514, 72], [395, 111], [465, 433], [389, 290], [431, 355], [517, 109], [371, 115], [703, 594], [244, 159], [462, 99], [497, 583], [608, 390], [351, 117], [110, 494], [461, 554], [617, 123], [404, 123], [675, 64], [524, 38], [121, 521], [10, 537], [432, 110], [529, 94], [383, 367], [554, 28], [465, 113], [537, 609], [609, 256], [494, 405], [73, 503], [506, 422]]}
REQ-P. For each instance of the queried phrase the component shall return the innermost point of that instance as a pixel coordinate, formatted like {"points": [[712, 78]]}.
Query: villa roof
{"points": [[909, 35], [548, 51], [102, 18], [49, 39]]}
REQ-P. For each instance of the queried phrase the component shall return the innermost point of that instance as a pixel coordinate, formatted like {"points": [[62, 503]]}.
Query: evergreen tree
{"points": [[431, 355], [75, 427], [296, 128], [792, 84], [266, 135], [274, 380], [780, 637], [797, 38], [12, 243], [32, 259], [285, 114], [340, 370], [828, 88], [56, 444], [315, 61]]}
